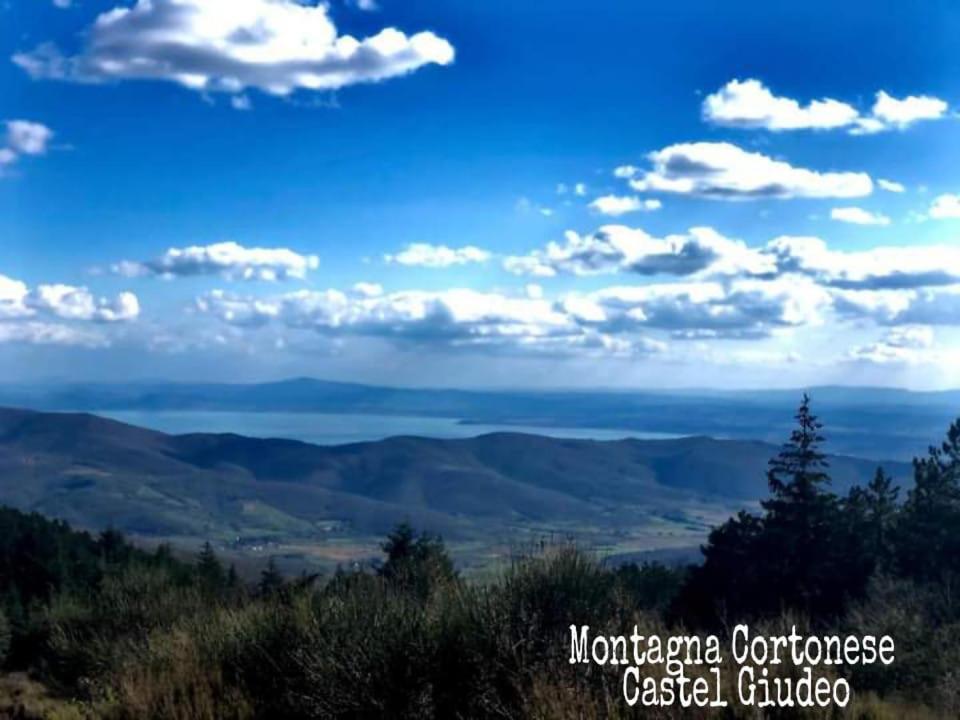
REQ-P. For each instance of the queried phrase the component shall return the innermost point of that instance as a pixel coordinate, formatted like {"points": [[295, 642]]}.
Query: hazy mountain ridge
{"points": [[878, 423]]}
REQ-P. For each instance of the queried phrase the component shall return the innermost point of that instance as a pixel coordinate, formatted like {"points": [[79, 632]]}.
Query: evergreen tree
{"points": [[416, 562], [928, 541], [881, 507], [209, 569], [801, 541], [870, 515], [796, 556], [271, 580], [797, 474]]}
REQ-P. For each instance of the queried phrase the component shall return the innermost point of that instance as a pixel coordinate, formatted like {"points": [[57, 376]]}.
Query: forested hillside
{"points": [[115, 632], [329, 504]]}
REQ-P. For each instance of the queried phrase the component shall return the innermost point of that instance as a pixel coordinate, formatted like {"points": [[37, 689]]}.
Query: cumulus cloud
{"points": [[888, 267], [890, 186], [703, 254], [618, 248], [276, 46], [28, 138], [923, 306], [742, 309], [901, 113], [12, 295], [858, 216], [789, 284], [616, 205], [367, 289], [944, 207], [455, 318], [78, 303], [750, 104], [24, 137], [64, 301], [724, 171], [437, 256], [226, 259], [907, 344]]}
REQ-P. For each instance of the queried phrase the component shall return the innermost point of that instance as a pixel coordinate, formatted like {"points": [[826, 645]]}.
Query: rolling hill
{"points": [[483, 493]]}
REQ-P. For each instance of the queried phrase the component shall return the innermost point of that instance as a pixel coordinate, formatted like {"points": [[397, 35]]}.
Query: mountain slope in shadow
{"points": [[99, 473]]}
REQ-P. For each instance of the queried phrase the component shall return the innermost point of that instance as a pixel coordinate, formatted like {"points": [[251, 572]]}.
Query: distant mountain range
{"points": [[877, 423], [332, 503]]}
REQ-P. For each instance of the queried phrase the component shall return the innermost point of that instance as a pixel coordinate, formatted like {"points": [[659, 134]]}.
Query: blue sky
{"points": [[481, 194]]}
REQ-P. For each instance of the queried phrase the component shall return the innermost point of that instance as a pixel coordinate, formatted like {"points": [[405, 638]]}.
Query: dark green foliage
{"points": [[43, 563], [418, 563], [802, 554], [271, 580], [210, 569], [4, 638], [651, 586], [928, 541]]}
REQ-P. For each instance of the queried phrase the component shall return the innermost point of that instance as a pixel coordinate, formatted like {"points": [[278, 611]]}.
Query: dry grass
{"points": [[24, 699]]}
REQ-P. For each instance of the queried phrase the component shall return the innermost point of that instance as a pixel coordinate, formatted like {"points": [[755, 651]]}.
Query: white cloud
{"points": [[749, 104], [946, 206], [276, 46], [886, 267], [226, 259], [625, 172], [724, 171], [526, 205], [65, 302], [24, 137], [455, 318], [924, 306], [617, 248], [241, 102], [904, 112], [580, 189], [890, 186], [28, 138], [616, 205], [77, 303], [367, 289], [40, 333], [908, 344], [858, 216], [12, 295], [437, 256], [743, 309], [702, 253]]}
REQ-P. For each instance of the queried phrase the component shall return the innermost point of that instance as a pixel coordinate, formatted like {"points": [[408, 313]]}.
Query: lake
{"points": [[338, 429]]}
